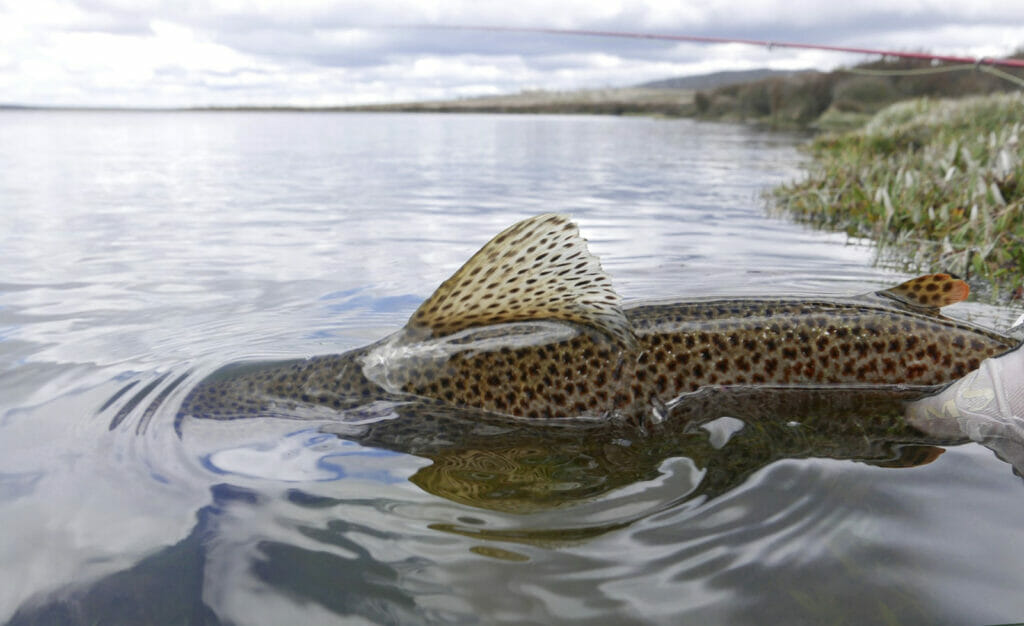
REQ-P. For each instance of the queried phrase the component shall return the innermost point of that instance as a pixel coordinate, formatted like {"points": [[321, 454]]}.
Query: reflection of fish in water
{"points": [[521, 465], [530, 326]]}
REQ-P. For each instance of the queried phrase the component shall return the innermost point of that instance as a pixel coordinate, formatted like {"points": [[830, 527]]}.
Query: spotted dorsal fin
{"points": [[930, 291], [537, 269]]}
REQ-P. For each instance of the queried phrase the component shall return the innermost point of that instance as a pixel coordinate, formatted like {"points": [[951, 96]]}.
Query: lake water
{"points": [[142, 251]]}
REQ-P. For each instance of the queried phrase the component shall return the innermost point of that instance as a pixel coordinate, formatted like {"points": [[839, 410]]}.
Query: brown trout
{"points": [[531, 327]]}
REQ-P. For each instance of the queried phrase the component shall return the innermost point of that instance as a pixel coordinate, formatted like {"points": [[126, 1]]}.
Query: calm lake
{"points": [[142, 251]]}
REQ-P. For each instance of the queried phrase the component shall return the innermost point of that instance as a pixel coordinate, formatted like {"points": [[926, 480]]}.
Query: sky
{"points": [[173, 53]]}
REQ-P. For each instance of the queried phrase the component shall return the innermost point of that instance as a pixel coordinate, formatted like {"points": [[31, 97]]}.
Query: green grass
{"points": [[938, 183]]}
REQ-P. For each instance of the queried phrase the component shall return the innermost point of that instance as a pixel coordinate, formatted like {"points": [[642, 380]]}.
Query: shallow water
{"points": [[143, 251]]}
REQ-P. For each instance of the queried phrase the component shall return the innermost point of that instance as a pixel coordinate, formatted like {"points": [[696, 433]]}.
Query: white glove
{"points": [[987, 405]]}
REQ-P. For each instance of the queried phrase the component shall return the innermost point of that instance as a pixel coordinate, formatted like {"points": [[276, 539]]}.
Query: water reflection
{"points": [[707, 497], [333, 570], [527, 466], [562, 482]]}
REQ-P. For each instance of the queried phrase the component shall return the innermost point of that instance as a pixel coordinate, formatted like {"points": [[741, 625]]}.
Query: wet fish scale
{"points": [[583, 375], [682, 347], [335, 382], [778, 341]]}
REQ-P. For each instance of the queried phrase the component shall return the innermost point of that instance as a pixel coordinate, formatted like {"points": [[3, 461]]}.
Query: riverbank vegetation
{"points": [[939, 184], [847, 97]]}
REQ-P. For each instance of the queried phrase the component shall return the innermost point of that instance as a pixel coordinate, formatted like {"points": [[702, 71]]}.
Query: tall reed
{"points": [[939, 184]]}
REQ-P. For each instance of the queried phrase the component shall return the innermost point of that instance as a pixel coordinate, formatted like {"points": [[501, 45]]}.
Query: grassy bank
{"points": [[938, 183]]}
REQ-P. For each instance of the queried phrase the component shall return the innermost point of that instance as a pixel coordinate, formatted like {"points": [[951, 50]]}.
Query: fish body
{"points": [[681, 347], [530, 327]]}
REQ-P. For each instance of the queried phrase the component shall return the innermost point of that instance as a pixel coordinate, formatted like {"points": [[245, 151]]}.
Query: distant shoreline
{"points": [[670, 97], [618, 101], [838, 100]]}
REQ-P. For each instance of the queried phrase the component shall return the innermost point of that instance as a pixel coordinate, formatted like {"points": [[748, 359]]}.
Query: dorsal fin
{"points": [[930, 291], [537, 269]]}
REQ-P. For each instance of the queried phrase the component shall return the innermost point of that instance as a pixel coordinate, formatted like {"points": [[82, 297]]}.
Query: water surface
{"points": [[142, 251]]}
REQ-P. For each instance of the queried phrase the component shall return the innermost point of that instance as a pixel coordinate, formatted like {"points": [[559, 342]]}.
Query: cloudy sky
{"points": [[309, 52]]}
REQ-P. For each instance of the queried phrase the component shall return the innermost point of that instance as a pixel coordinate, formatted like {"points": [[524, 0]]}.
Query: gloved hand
{"points": [[987, 405]]}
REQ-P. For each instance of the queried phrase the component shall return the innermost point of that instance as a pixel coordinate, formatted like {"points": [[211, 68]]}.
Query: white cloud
{"points": [[160, 52]]}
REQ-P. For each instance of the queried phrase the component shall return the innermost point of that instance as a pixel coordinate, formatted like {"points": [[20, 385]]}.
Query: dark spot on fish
{"points": [[864, 370], [916, 371]]}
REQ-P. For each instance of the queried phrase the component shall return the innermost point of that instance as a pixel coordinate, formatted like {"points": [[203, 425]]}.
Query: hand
{"points": [[987, 405]]}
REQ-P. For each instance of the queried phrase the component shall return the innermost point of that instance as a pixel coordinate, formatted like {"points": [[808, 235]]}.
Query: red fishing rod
{"points": [[753, 42]]}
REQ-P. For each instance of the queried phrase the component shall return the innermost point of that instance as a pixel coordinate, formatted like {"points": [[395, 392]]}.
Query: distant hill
{"points": [[719, 79]]}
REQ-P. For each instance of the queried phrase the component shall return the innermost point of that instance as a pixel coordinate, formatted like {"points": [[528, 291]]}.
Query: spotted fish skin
{"points": [[314, 387], [682, 347], [531, 327], [728, 342]]}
